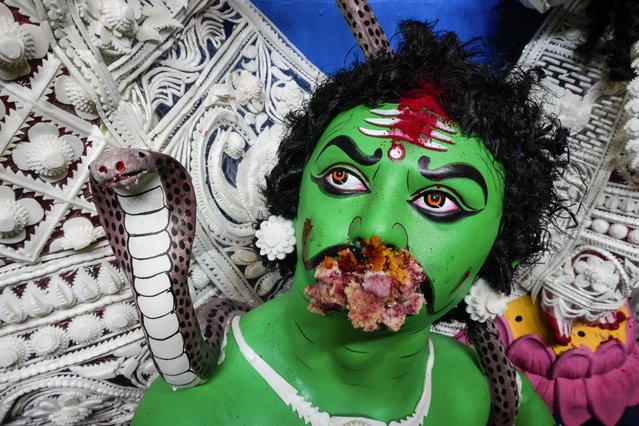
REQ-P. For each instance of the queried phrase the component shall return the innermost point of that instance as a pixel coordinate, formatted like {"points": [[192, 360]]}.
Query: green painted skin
{"points": [[345, 371]]}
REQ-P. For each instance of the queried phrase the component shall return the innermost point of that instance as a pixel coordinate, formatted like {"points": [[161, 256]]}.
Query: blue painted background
{"points": [[317, 28]]}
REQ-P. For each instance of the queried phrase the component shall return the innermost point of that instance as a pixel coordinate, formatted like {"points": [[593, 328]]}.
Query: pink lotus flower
{"points": [[580, 384]]}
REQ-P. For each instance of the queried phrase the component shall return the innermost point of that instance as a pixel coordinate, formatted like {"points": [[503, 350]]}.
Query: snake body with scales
{"points": [[147, 206]]}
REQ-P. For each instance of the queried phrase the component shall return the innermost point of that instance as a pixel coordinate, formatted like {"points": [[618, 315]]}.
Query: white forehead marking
{"points": [[439, 132]]}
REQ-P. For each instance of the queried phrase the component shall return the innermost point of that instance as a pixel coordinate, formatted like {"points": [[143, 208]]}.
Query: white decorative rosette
{"points": [[275, 238], [484, 303]]}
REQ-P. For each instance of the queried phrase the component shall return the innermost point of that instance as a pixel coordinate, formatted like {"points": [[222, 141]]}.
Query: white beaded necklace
{"points": [[312, 415]]}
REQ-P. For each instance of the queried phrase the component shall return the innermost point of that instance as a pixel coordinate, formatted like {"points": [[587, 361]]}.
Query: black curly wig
{"points": [[612, 30], [496, 107]]}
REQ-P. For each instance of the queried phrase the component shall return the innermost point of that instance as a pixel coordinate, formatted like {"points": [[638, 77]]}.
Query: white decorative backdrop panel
{"points": [[207, 82]]}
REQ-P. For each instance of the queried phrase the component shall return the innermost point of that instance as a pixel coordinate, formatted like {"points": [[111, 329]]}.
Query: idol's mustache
{"points": [[332, 251]]}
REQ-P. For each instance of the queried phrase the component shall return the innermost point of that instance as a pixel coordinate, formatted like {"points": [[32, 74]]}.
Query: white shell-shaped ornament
{"points": [[84, 328], [79, 233], [119, 16], [13, 351], [60, 294], [11, 308], [234, 145], [49, 341], [85, 287], [110, 279], [16, 215], [35, 301], [13, 218], [633, 237]]}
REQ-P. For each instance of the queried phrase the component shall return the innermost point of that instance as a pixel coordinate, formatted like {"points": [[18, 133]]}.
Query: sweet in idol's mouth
{"points": [[377, 289]]}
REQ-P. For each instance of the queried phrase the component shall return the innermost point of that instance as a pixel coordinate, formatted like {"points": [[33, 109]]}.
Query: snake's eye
{"points": [[439, 205], [340, 180]]}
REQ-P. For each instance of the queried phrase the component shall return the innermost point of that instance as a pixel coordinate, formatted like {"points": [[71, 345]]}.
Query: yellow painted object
{"points": [[526, 317]]}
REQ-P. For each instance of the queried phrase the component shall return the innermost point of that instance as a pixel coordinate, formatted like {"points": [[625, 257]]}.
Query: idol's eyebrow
{"points": [[453, 170], [351, 149]]}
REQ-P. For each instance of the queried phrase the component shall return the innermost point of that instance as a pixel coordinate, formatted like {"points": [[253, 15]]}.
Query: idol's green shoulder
{"points": [[460, 390], [234, 395]]}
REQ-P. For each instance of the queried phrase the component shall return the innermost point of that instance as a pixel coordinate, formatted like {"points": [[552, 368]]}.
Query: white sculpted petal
{"points": [[275, 238], [483, 303]]}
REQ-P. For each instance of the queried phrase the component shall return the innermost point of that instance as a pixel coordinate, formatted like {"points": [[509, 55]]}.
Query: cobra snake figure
{"points": [[146, 205]]}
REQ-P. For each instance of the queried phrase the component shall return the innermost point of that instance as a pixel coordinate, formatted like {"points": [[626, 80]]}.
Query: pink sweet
{"points": [[380, 291]]}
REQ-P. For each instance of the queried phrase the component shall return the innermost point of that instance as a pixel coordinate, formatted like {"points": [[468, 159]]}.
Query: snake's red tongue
{"points": [[378, 291]]}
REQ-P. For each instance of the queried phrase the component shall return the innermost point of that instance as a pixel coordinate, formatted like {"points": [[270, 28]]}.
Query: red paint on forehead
{"points": [[419, 113], [424, 99]]}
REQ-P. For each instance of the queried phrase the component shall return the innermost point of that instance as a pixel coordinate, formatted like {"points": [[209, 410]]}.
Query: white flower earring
{"points": [[484, 303], [276, 237]]}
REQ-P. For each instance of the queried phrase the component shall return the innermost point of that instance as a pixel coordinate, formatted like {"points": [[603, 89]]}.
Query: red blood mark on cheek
{"points": [[120, 167], [461, 281], [306, 231]]}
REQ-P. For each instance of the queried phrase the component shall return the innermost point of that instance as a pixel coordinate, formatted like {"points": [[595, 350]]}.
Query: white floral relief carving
{"points": [[79, 233], [13, 351], [70, 92], [84, 328], [18, 45], [49, 341], [66, 409], [47, 153], [275, 238], [119, 317], [16, 215], [257, 163], [247, 90], [629, 159], [114, 25], [587, 288]]}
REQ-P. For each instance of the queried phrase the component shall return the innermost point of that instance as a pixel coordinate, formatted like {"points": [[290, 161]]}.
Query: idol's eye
{"points": [[340, 180], [440, 205]]}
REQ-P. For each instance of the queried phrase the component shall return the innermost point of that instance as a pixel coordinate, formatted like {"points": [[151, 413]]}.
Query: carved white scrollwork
{"points": [[114, 25], [588, 287]]}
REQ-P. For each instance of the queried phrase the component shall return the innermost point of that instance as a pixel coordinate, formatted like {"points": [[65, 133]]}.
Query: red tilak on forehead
{"points": [[421, 116], [419, 120], [425, 99]]}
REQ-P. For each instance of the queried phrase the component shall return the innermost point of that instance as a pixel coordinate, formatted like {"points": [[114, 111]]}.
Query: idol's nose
{"points": [[378, 223]]}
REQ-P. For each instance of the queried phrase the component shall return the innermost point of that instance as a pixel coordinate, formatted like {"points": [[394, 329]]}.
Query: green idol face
{"points": [[431, 191]]}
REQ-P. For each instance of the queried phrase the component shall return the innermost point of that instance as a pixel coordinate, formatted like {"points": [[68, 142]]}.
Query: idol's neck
{"points": [[380, 374]]}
